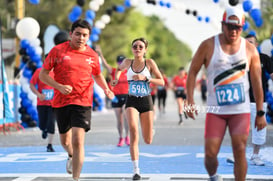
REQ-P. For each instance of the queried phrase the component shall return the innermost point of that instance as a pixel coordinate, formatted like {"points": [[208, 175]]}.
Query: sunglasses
{"points": [[137, 46], [233, 27]]}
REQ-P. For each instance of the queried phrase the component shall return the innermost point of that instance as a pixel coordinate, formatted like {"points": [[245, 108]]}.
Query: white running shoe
{"points": [[69, 165], [216, 178], [256, 160]]}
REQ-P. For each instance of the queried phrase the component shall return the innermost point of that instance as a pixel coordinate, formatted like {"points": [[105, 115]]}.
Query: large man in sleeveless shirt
{"points": [[227, 57]]}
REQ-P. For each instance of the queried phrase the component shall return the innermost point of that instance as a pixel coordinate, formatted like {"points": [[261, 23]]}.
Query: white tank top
{"points": [[145, 71], [228, 85], [138, 88]]}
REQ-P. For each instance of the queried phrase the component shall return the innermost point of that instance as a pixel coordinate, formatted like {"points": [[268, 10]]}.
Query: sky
{"points": [[186, 27]]}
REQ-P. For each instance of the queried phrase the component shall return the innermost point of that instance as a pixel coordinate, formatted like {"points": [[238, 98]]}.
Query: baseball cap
{"points": [[234, 12], [120, 58]]}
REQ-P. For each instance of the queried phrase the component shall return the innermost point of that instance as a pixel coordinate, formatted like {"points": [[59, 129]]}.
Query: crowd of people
{"points": [[137, 83]]}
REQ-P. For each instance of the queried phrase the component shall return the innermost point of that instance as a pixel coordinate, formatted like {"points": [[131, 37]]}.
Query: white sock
{"points": [[135, 165]]}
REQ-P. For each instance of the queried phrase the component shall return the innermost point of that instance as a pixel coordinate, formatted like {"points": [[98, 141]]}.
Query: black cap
{"points": [[120, 58]]}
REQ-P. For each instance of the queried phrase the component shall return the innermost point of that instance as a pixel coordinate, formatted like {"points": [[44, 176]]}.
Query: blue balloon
{"points": [[168, 5], [36, 58], [120, 9], [216, 1], [259, 22], [268, 94], [199, 18], [31, 110], [26, 103], [256, 14], [94, 37], [77, 11], [35, 117], [39, 64], [24, 124], [34, 1], [246, 26], [96, 31], [268, 118], [247, 5], [72, 17], [207, 19], [24, 44], [27, 73], [31, 51], [161, 3], [90, 14], [127, 3], [90, 21], [272, 39], [23, 95]]}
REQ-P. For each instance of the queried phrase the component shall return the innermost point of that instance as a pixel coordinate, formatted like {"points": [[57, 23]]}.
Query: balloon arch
{"points": [[28, 29]]}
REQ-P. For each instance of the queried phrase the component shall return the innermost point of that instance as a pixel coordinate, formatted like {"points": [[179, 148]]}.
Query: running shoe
{"points": [[69, 165], [216, 178], [136, 177], [180, 122], [256, 160], [121, 142], [127, 140], [49, 148]]}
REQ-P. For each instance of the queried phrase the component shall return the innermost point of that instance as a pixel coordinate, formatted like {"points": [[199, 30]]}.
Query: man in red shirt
{"points": [[44, 95], [74, 64]]}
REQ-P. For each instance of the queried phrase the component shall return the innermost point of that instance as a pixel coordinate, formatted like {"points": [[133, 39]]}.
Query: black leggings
{"points": [[161, 96]]}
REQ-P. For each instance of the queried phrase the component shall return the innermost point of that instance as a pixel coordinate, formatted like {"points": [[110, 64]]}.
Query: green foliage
{"points": [[116, 38]]}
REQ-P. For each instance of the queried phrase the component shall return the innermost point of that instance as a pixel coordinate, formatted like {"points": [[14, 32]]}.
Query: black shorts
{"points": [[46, 119], [121, 100], [180, 93], [142, 104], [73, 116]]}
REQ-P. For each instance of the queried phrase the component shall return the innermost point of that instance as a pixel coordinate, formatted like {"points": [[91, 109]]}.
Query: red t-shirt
{"points": [[153, 88], [42, 88], [122, 86], [74, 68], [179, 81]]}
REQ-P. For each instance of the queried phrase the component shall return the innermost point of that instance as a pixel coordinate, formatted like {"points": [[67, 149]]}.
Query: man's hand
{"points": [[41, 97], [190, 110], [65, 89], [109, 93], [260, 122]]}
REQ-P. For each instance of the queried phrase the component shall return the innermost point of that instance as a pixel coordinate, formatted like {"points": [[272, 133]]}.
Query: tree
{"points": [[116, 38]]}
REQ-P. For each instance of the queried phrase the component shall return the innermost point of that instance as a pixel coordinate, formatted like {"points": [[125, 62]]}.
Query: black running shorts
{"points": [[142, 104], [73, 116]]}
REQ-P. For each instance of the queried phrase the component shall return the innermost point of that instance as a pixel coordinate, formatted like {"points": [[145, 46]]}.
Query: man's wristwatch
{"points": [[260, 113]]}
